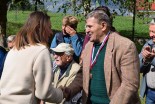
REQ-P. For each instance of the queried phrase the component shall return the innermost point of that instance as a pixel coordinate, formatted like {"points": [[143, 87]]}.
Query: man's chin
{"points": [[153, 40], [91, 40], [95, 41]]}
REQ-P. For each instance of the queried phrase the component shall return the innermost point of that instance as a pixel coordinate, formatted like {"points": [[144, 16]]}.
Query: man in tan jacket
{"points": [[110, 64]]}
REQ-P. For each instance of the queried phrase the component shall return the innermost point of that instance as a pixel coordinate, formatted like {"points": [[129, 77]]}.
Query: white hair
{"points": [[11, 38], [152, 21], [69, 53]]}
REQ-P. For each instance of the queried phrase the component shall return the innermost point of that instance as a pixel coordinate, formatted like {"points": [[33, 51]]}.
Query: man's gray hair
{"points": [[100, 16], [69, 53], [11, 38], [152, 21]]}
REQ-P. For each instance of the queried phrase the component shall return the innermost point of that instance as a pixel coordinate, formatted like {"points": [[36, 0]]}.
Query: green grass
{"points": [[17, 19], [123, 24]]}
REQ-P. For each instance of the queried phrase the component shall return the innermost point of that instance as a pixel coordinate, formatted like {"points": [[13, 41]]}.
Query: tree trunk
{"points": [[3, 19], [133, 22], [36, 3]]}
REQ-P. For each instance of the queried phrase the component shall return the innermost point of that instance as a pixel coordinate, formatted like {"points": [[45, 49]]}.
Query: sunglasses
{"points": [[58, 53], [8, 41]]}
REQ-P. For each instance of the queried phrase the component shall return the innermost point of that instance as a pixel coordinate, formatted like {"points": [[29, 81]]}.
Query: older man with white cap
{"points": [[10, 41], [66, 68], [147, 66]]}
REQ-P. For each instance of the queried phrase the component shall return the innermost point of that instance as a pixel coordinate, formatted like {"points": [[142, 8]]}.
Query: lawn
{"points": [[17, 19], [123, 24]]}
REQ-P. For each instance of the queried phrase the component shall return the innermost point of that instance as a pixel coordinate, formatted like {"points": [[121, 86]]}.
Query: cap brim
{"points": [[57, 50]]}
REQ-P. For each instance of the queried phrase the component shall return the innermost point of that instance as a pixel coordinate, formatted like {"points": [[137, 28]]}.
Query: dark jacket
{"points": [[3, 53], [144, 68]]}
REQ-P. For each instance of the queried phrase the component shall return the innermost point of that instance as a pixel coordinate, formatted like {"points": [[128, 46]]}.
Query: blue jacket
{"points": [[2, 59], [76, 41], [144, 69]]}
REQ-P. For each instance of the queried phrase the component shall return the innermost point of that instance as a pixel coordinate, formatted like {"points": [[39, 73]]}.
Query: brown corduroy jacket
{"points": [[121, 69]]}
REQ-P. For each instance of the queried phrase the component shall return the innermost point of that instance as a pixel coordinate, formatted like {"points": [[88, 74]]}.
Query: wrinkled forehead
{"points": [[152, 26], [92, 20]]}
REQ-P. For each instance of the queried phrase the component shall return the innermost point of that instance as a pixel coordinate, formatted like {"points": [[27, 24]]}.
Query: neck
{"points": [[65, 66], [103, 36]]}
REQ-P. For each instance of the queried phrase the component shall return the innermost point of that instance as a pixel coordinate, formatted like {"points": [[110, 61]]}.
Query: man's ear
{"points": [[69, 58], [104, 26]]}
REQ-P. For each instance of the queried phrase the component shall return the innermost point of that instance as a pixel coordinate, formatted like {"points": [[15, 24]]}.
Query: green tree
{"points": [[3, 16]]}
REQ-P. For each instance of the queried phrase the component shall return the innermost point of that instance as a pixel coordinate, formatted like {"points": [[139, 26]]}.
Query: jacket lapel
{"points": [[108, 61], [86, 67]]}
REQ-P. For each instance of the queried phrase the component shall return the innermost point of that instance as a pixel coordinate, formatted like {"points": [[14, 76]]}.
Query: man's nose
{"points": [[152, 34], [87, 30], [55, 56]]}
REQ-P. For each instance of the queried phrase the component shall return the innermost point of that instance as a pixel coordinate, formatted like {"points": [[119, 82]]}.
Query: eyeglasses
{"points": [[8, 41], [59, 53]]}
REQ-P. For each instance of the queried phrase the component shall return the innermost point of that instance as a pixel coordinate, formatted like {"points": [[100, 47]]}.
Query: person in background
{"points": [[3, 53], [10, 41], [65, 69], [147, 66], [27, 75], [69, 35], [110, 64]]}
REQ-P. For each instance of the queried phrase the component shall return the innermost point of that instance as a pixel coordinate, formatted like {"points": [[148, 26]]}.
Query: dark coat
{"points": [[3, 53]]}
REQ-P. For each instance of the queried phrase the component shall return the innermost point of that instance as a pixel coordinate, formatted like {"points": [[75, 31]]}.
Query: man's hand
{"points": [[148, 54], [66, 92], [69, 30]]}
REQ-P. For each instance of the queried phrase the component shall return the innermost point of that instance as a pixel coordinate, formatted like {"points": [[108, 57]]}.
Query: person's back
{"points": [[27, 73], [20, 68]]}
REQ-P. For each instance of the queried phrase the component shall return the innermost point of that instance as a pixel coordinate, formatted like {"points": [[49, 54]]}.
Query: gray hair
{"points": [[152, 21], [69, 53], [11, 38], [100, 16]]}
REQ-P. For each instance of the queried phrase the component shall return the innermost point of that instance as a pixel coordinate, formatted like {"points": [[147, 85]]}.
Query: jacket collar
{"points": [[66, 73]]}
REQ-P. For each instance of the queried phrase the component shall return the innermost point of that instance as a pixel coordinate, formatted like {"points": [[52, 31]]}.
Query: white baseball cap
{"points": [[64, 47]]}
